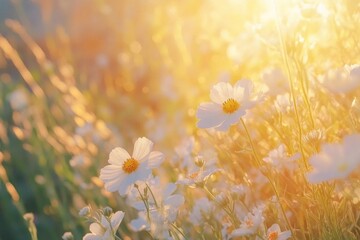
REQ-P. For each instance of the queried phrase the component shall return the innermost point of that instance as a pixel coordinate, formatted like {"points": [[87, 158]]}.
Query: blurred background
{"points": [[79, 77]]}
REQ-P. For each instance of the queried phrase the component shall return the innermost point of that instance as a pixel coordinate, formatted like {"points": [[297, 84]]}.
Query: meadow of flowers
{"points": [[234, 119]]}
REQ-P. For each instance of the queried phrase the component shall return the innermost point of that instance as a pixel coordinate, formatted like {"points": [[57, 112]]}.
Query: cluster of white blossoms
{"points": [[199, 197]]}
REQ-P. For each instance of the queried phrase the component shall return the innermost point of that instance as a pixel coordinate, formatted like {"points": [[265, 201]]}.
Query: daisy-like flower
{"points": [[105, 228], [274, 233], [197, 177], [279, 158], [336, 160], [250, 224], [342, 80], [201, 212], [18, 99], [229, 103], [276, 81], [124, 170]]}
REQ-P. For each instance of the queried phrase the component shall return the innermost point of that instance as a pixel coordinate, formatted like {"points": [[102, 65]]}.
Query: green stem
{"points": [[291, 81], [152, 194], [268, 178]]}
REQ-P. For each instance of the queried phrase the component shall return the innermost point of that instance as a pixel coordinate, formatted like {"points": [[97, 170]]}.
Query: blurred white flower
{"points": [[342, 80], [280, 159], [283, 103], [18, 99], [79, 160], [67, 236], [163, 194], [275, 81], [250, 224], [229, 104], [201, 211], [197, 177], [105, 228], [335, 160], [162, 203], [124, 170], [274, 233]]}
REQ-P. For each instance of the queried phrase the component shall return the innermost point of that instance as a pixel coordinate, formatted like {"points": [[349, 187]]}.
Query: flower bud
{"points": [[67, 236], [85, 211], [107, 211]]}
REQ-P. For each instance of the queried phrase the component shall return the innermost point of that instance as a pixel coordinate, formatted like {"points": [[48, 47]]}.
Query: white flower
{"points": [[250, 224], [335, 160], [274, 233], [67, 236], [275, 80], [279, 158], [342, 80], [105, 228], [18, 99], [163, 207], [124, 170], [201, 212], [197, 177], [229, 104], [283, 103], [164, 197]]}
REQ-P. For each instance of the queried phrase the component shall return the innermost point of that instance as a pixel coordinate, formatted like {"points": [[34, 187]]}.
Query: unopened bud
{"points": [[107, 211], [29, 217], [67, 236], [85, 211], [199, 161]]}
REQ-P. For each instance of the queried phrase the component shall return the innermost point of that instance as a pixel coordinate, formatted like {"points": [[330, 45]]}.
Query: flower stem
{"points": [[267, 176]]}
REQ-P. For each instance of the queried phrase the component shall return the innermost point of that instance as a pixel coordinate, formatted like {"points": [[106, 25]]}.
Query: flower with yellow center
{"points": [[130, 165], [124, 170], [229, 104]]}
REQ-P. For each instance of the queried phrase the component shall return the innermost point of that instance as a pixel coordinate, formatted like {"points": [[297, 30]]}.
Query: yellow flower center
{"points": [[230, 106], [273, 236], [130, 165]]}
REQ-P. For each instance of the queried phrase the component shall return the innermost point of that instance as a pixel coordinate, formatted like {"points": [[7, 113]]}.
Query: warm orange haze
{"points": [[179, 120]]}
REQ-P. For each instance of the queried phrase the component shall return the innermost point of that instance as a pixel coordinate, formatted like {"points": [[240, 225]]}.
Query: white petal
{"points": [[116, 219], [274, 228], [96, 229], [210, 115], [113, 186], [138, 224], [170, 188], [243, 89], [104, 222], [141, 174], [155, 159], [174, 201], [142, 148], [118, 156], [241, 232], [284, 235], [230, 119], [110, 172], [90, 236], [221, 92]]}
